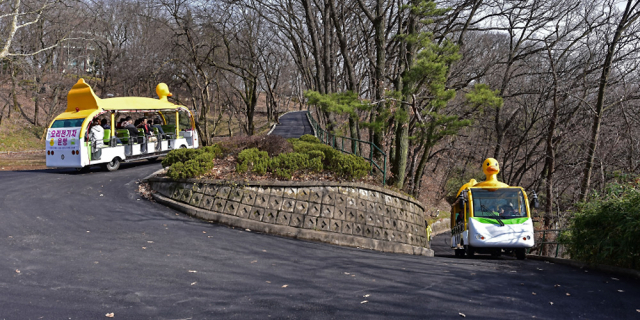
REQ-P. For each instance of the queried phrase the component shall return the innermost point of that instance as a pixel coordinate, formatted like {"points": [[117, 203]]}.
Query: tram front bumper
{"points": [[482, 235]]}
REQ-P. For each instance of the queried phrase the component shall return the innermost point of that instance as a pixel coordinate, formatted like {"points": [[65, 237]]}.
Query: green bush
{"points": [[184, 155], [350, 166], [179, 155], [606, 230], [316, 154], [199, 165], [309, 154], [285, 164], [254, 159], [214, 149], [310, 138], [189, 163], [309, 148]]}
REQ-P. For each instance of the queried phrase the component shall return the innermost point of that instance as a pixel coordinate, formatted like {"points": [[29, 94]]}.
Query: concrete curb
{"points": [[598, 267], [296, 233], [155, 173]]}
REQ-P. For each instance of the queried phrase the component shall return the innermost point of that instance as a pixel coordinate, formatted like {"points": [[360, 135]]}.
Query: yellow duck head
{"points": [[162, 90], [491, 168]]}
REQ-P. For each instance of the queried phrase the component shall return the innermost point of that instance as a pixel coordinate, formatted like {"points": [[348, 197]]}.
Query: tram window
{"points": [[506, 203], [69, 123], [169, 117], [185, 121]]}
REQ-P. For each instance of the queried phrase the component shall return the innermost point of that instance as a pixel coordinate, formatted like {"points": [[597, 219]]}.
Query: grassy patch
{"points": [[21, 139]]}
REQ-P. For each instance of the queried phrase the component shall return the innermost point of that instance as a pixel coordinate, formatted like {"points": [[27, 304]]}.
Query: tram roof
{"points": [[82, 101]]}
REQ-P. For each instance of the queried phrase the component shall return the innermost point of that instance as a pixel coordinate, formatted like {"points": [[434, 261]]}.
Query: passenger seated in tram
{"points": [[105, 124], [157, 123], [507, 210], [96, 134], [133, 131], [144, 125]]}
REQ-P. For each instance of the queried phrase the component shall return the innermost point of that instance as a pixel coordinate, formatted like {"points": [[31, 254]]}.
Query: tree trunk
{"points": [[625, 20], [550, 152]]}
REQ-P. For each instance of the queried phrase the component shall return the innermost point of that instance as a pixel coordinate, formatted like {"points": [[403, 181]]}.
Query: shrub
{"points": [[307, 147], [184, 155], [214, 149], [350, 166], [273, 145], [200, 164], [285, 164], [316, 154], [179, 155], [310, 138], [606, 229], [253, 159]]}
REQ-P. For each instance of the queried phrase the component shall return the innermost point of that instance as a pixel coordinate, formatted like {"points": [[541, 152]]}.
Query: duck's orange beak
{"points": [[493, 169]]}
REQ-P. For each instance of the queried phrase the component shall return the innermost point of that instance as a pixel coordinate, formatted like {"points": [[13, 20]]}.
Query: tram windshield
{"points": [[507, 203], [69, 123]]}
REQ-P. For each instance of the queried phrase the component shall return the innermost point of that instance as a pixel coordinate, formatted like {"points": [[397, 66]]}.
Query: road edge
{"points": [[581, 265]]}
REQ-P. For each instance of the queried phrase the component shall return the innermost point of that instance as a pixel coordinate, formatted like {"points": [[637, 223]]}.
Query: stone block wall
{"points": [[348, 210]]}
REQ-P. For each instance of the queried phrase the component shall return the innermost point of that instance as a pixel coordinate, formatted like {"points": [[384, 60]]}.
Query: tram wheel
{"points": [[470, 251], [459, 253], [521, 254], [154, 159], [113, 165]]}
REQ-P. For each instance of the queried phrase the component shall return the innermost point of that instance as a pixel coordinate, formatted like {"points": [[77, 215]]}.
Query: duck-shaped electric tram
{"points": [[491, 217]]}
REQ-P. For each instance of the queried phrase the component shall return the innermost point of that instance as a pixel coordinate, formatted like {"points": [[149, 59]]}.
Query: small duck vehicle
{"points": [[491, 217], [75, 141]]}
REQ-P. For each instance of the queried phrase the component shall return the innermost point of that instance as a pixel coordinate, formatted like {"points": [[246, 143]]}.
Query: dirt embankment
{"points": [[24, 160]]}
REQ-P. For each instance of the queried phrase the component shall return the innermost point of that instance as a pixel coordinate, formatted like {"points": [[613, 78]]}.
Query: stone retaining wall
{"points": [[341, 213]]}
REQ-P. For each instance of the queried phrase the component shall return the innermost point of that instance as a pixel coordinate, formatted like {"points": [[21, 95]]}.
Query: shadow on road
{"points": [[92, 169], [441, 248]]}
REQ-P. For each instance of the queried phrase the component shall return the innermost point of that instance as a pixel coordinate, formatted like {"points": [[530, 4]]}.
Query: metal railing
{"points": [[546, 242], [354, 146]]}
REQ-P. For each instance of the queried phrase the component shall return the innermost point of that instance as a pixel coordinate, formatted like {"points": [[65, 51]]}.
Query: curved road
{"points": [[80, 246], [293, 125]]}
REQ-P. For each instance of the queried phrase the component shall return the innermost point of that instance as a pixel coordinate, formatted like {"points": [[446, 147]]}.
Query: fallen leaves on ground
{"points": [[145, 191], [286, 285], [193, 271], [462, 314], [363, 302], [109, 315]]}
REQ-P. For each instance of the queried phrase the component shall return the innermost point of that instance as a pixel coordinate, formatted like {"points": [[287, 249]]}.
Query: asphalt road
{"points": [[293, 125], [82, 245]]}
